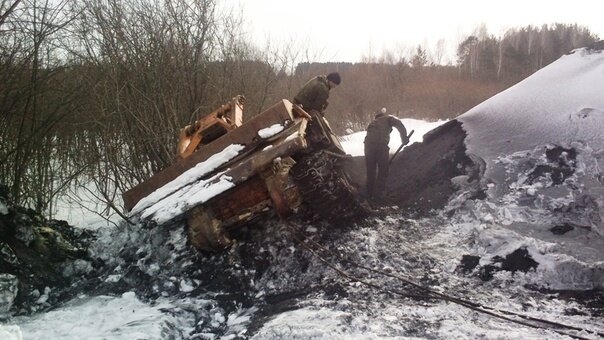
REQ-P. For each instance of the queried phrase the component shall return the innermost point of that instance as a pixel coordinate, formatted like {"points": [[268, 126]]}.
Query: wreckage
{"points": [[283, 160]]}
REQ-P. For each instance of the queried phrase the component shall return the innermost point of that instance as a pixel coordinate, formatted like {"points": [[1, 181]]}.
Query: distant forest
{"points": [[99, 89]]}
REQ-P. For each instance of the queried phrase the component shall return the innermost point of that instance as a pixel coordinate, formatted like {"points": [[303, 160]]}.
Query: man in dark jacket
{"points": [[313, 95], [377, 152]]}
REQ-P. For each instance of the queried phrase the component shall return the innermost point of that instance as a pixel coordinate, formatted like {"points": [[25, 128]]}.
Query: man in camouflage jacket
{"points": [[314, 94]]}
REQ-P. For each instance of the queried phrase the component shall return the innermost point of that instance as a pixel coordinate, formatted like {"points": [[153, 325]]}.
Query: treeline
{"points": [[520, 52], [415, 86], [98, 89]]}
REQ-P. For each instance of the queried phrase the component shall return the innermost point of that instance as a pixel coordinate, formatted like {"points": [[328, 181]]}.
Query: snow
{"points": [[99, 317], [325, 323], [561, 105], [270, 131], [83, 208], [11, 332]]}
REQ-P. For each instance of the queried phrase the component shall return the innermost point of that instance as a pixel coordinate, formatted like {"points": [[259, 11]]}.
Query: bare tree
{"points": [[31, 108], [9, 9], [439, 51]]}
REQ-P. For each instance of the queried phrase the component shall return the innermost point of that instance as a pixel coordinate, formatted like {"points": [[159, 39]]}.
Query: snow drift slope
{"points": [[561, 104]]}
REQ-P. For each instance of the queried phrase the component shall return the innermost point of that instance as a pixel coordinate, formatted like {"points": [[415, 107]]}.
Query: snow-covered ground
{"points": [[543, 147]]}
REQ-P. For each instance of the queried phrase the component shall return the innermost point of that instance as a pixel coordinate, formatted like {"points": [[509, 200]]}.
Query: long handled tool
{"points": [[401, 147]]}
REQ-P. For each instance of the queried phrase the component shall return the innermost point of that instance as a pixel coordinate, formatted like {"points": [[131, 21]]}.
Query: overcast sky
{"points": [[347, 30]]}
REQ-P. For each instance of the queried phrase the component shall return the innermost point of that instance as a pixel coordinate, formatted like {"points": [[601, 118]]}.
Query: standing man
{"points": [[377, 152], [313, 95]]}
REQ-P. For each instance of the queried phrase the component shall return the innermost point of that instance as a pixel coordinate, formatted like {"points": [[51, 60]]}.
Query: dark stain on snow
{"points": [[468, 263], [562, 229], [518, 260], [560, 165], [562, 156], [586, 112]]}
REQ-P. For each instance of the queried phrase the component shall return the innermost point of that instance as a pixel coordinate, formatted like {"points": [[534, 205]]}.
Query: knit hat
{"points": [[334, 77]]}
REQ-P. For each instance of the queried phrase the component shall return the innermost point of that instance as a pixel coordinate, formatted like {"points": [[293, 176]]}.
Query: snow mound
{"points": [[559, 104], [543, 147]]}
